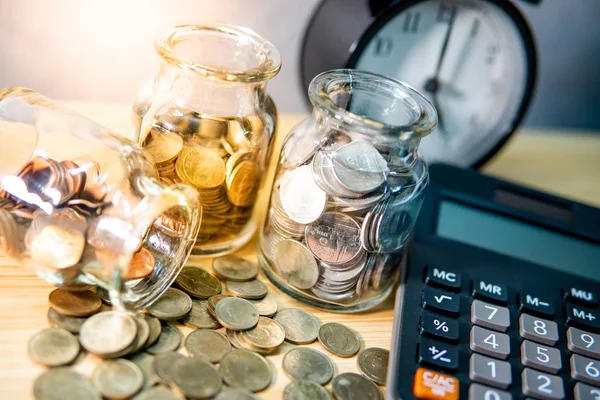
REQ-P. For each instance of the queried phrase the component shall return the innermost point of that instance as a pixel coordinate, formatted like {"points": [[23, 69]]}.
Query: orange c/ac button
{"points": [[431, 385]]}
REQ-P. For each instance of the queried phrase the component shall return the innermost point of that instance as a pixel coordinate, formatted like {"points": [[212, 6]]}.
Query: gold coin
{"points": [[236, 159], [57, 246], [242, 184], [201, 167], [198, 283], [74, 304], [163, 146]]}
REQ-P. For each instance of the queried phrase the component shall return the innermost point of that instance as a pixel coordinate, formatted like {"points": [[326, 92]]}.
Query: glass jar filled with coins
{"points": [[207, 121], [347, 191], [84, 206]]}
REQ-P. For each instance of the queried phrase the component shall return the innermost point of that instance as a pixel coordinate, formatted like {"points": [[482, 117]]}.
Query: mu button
{"points": [[431, 385], [440, 300]]}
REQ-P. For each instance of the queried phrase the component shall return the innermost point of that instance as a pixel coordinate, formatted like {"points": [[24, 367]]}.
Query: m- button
{"points": [[490, 291], [437, 276]]}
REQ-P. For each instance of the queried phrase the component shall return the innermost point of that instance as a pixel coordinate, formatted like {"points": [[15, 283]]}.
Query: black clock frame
{"points": [[382, 15]]}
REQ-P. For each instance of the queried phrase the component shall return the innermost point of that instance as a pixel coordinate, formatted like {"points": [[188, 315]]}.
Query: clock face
{"points": [[472, 58]]}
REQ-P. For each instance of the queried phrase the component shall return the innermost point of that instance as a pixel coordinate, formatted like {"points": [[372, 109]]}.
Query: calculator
{"points": [[498, 297]]}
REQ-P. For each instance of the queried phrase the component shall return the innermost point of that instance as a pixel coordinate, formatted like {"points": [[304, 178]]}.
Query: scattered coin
{"points": [[169, 340], [300, 327], [212, 302], [200, 317], [162, 364], [64, 384], [109, 334], [75, 304], [303, 363], [208, 344], [296, 264], [245, 369], [143, 332], [236, 314], [254, 289], [339, 339], [196, 378], [236, 394], [350, 386], [305, 390], [155, 329], [144, 362], [373, 363], [267, 334], [172, 305], [71, 324], [158, 393], [198, 283], [266, 307], [234, 268], [53, 347], [142, 265], [118, 379]]}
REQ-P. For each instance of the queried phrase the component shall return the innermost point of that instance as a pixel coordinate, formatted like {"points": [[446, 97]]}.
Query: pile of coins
{"points": [[337, 220], [140, 352], [223, 158]]}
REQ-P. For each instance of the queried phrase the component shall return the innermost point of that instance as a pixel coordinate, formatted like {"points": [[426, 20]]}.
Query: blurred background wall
{"points": [[102, 50]]}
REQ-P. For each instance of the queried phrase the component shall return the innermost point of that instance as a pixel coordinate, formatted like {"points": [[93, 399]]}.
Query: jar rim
{"points": [[267, 68], [319, 92]]}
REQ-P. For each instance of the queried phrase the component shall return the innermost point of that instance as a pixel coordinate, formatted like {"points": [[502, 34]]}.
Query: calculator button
{"points": [[431, 385], [490, 371], [442, 277], [490, 316], [541, 385], [491, 343], [540, 357], [538, 329], [439, 300], [490, 291], [439, 327], [480, 392], [536, 304], [585, 369], [583, 342], [586, 392], [438, 354], [582, 316], [581, 296]]}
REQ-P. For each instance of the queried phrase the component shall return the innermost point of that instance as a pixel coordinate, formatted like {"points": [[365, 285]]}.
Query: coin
{"points": [[169, 340], [200, 317], [300, 326], [196, 378], [305, 363], [118, 379], [155, 329], [350, 386], [373, 363], [245, 369], [158, 393], [198, 283], [208, 344], [57, 246], [334, 238], [64, 384], [305, 390], [236, 314], [296, 264], [266, 307], [108, 334], [339, 339], [254, 289], [234, 268], [242, 184], [142, 265], [267, 334], [359, 167], [201, 167], [394, 226], [143, 333], [53, 347], [71, 324], [301, 198], [298, 149], [236, 394], [74, 304], [212, 303], [144, 362], [162, 364], [163, 146], [172, 305]]}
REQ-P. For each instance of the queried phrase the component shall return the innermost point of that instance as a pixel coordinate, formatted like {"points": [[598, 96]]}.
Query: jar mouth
{"points": [[218, 51], [372, 103]]}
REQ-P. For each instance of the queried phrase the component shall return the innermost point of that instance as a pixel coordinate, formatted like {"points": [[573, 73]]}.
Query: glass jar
{"points": [[84, 207], [347, 191], [207, 121]]}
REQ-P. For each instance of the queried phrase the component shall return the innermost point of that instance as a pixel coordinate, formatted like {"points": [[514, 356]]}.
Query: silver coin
{"points": [[236, 314], [53, 347], [158, 393], [155, 329], [305, 390], [334, 238], [200, 317], [394, 226], [169, 340], [64, 384], [266, 307], [143, 333], [108, 334], [236, 394], [299, 148], [162, 363], [301, 327], [334, 297], [71, 324], [253, 289], [118, 379], [329, 179], [359, 167], [301, 198], [196, 378], [174, 304], [306, 363], [296, 264], [208, 344], [144, 362], [234, 268]]}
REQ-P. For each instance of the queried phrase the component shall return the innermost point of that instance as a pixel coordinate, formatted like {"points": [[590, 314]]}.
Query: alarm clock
{"points": [[475, 60]]}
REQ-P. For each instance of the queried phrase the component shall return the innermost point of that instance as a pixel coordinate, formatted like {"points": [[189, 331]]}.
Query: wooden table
{"points": [[567, 164]]}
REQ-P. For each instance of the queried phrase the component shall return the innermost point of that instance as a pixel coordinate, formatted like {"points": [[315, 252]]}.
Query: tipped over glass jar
{"points": [[347, 191]]}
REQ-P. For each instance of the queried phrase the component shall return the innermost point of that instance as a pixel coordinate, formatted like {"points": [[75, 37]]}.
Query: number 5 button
{"points": [[540, 357]]}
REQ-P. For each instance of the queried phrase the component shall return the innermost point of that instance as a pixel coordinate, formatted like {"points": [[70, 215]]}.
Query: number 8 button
{"points": [[538, 329]]}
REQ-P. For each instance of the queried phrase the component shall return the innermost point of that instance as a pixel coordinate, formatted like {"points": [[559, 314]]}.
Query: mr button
{"points": [[490, 291], [431, 385]]}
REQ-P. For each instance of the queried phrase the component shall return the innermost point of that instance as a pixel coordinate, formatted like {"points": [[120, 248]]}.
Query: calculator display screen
{"points": [[517, 239]]}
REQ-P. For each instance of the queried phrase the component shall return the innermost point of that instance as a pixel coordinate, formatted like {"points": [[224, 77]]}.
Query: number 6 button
{"points": [[585, 369]]}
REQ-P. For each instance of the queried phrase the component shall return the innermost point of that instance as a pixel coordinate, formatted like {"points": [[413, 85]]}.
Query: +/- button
{"points": [[431, 385], [439, 300], [490, 291], [438, 276], [438, 355]]}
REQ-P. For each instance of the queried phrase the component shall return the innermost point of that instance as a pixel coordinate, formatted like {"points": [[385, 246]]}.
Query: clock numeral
{"points": [[411, 22], [491, 53], [445, 13], [383, 46], [475, 28]]}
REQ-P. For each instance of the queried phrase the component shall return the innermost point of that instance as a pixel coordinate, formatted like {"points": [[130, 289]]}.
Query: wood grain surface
{"points": [[563, 163]]}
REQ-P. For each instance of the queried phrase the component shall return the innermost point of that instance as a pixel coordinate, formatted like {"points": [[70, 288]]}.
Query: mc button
{"points": [[442, 277]]}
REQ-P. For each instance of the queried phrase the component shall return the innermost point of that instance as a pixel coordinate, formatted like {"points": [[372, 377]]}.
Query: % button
{"points": [[438, 327]]}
